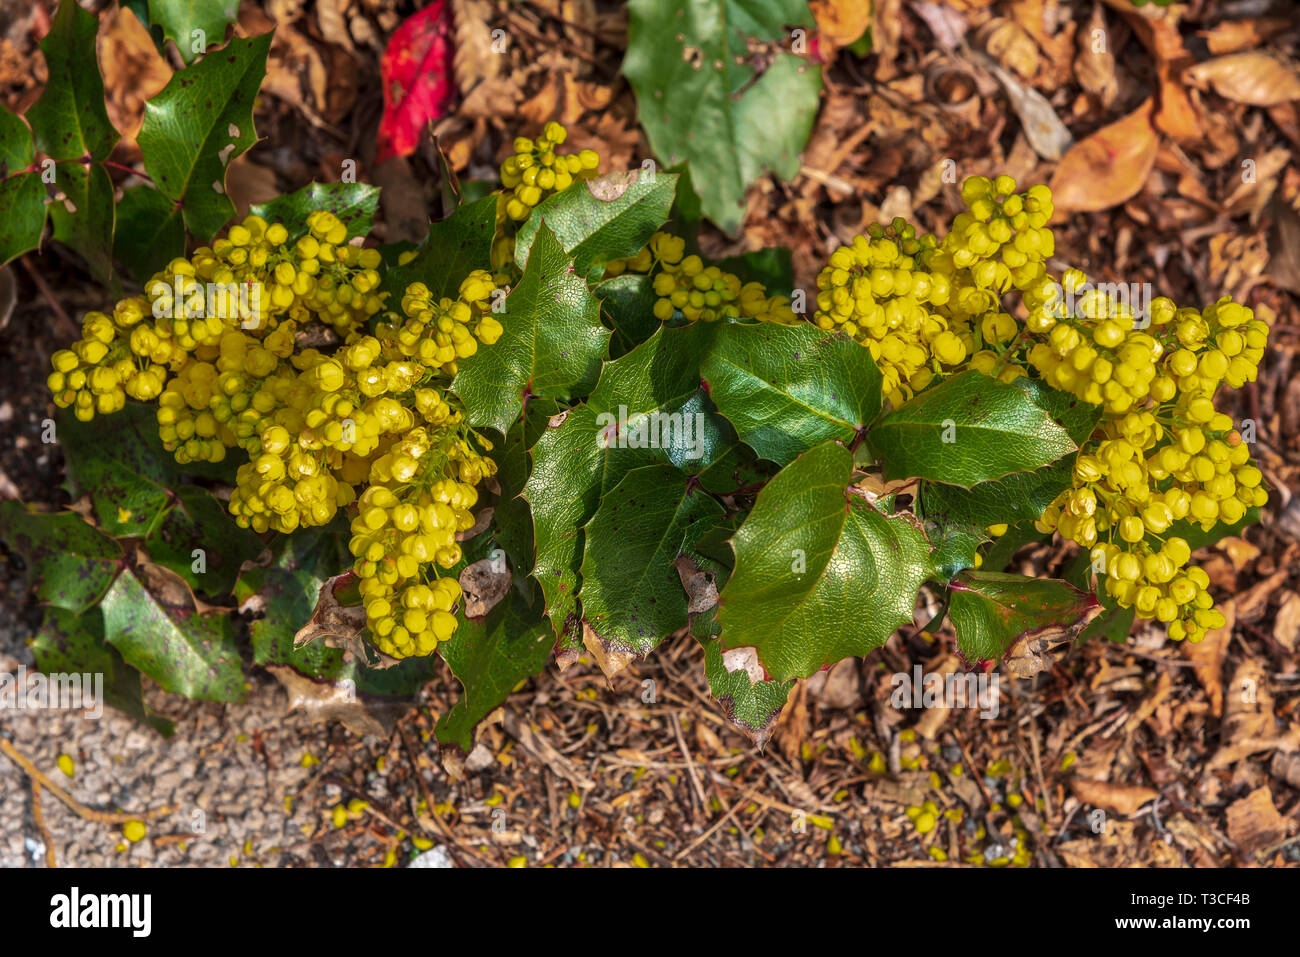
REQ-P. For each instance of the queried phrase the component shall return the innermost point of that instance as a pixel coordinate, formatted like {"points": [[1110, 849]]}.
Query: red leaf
{"points": [[417, 74]]}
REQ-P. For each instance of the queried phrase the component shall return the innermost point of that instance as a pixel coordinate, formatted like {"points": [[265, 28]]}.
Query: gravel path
{"points": [[226, 773]]}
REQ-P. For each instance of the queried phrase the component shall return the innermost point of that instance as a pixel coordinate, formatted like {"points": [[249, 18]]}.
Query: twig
{"points": [[69, 327], [39, 817], [89, 813], [690, 764]]}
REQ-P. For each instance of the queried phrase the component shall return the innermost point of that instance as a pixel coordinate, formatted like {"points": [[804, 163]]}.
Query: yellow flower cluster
{"points": [[214, 340], [535, 170], [1161, 454]]}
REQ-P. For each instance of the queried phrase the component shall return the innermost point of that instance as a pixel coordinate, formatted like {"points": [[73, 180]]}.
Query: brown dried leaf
{"points": [[327, 700], [474, 59], [1254, 823], [700, 587], [1256, 77], [1107, 168], [1043, 128], [1207, 655], [340, 626], [484, 584], [1124, 799], [1231, 36], [1008, 43], [1286, 624], [1094, 64], [133, 68], [842, 22]]}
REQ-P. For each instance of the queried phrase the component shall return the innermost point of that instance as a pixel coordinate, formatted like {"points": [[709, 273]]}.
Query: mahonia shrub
{"points": [[555, 427]]}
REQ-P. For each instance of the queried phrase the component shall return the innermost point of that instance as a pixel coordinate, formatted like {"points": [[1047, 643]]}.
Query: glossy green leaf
{"points": [[1198, 537], [283, 595], [627, 305], [69, 562], [751, 705], [195, 26], [552, 345], [456, 246], [150, 231], [512, 521], [199, 522], [594, 230], [16, 147], [70, 120], [70, 644], [202, 119], [84, 221], [353, 203], [574, 464], [491, 658], [774, 268], [186, 653], [1020, 496], [990, 611], [820, 573], [787, 389], [120, 462], [969, 428], [700, 100], [631, 594], [22, 215]]}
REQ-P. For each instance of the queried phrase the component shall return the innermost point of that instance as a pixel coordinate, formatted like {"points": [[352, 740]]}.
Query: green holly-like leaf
{"points": [[600, 220], [631, 594], [1020, 496], [698, 98], [1113, 623], [991, 610], [751, 705], [180, 19], [580, 459], [285, 593], [202, 119], [490, 659], [552, 345], [512, 522], [627, 305], [1016, 537], [787, 389], [353, 203], [200, 522], [969, 428], [70, 644], [70, 562], [86, 225], [119, 461], [22, 215], [150, 231], [774, 268], [22, 194], [1198, 537], [185, 653], [455, 247], [70, 120], [820, 573], [16, 147]]}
